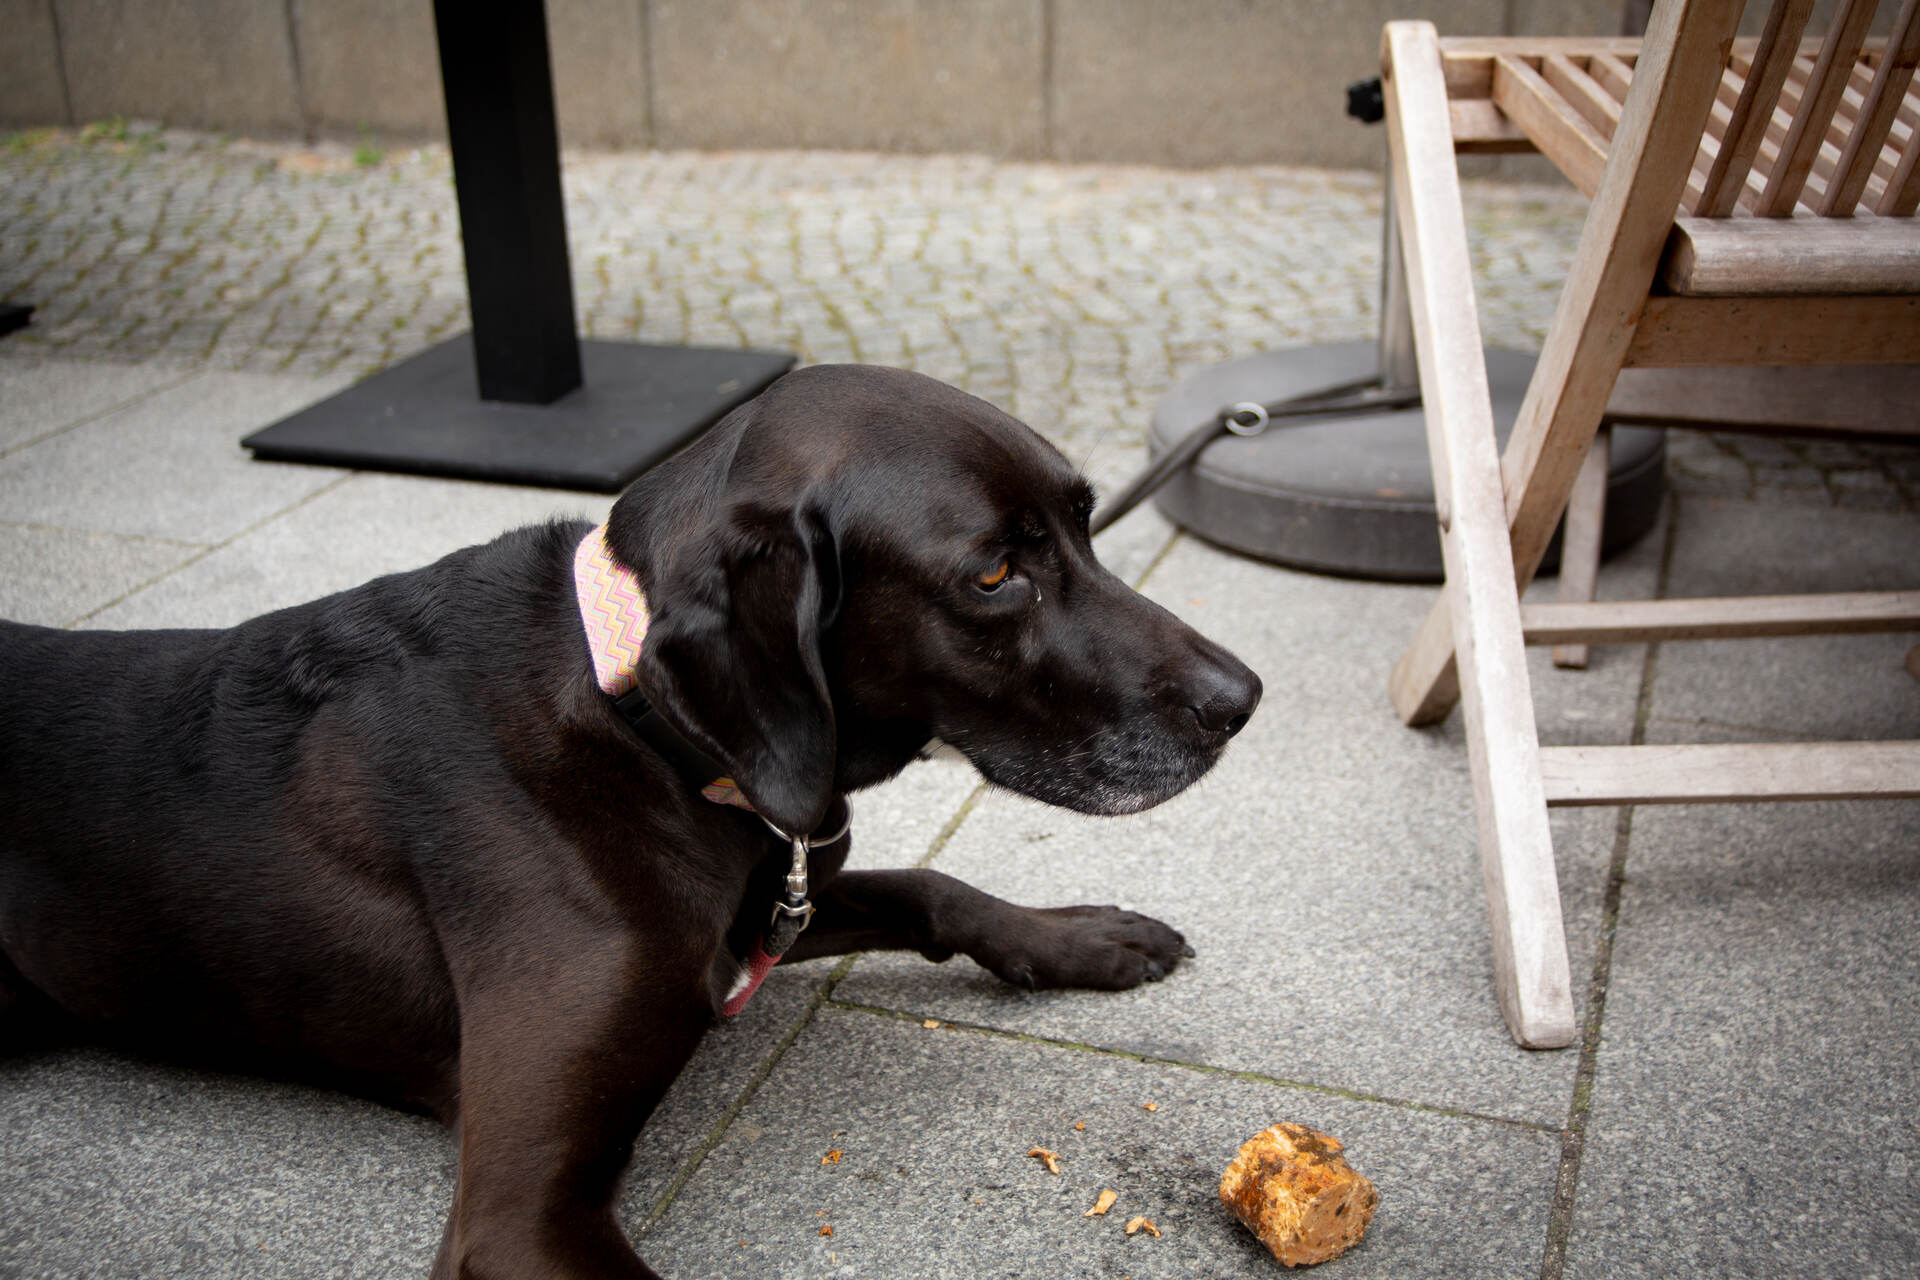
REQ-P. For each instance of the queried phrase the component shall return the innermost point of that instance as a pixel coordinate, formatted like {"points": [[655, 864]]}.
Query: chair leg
{"points": [[1425, 682], [1620, 243], [1482, 605], [1580, 538], [1532, 978]]}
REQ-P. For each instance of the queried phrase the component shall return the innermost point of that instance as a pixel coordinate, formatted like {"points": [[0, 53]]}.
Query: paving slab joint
{"points": [[716, 1135], [1573, 1141], [207, 549], [1199, 1068], [106, 412]]}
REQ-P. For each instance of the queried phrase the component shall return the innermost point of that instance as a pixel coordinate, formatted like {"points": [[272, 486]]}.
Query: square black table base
{"points": [[639, 404]]}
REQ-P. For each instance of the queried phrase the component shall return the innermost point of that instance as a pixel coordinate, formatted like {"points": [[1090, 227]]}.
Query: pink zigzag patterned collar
{"points": [[613, 610]]}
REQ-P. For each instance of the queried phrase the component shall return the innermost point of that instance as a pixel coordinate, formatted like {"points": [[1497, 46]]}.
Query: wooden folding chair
{"points": [[1753, 205]]}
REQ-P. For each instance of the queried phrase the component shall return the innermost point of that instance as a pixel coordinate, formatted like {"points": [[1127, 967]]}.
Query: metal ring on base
{"points": [[1353, 495]]}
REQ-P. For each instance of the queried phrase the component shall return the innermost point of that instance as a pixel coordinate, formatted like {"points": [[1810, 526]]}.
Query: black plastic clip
{"points": [[1366, 102]]}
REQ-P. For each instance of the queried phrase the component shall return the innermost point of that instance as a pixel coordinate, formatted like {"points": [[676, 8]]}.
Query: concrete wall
{"points": [[1180, 82]]}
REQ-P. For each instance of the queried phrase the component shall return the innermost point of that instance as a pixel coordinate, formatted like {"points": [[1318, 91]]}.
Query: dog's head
{"points": [[862, 559]]}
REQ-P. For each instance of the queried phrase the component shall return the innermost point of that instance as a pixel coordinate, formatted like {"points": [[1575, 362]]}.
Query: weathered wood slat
{"points": [[1719, 120], [1826, 157], [1735, 772], [1468, 60], [1481, 128], [1868, 401], [1902, 196], [1732, 81], [1799, 256], [1610, 73], [1561, 133], [1580, 541], [1826, 164], [1885, 165], [1778, 128], [1582, 92], [1883, 101], [1724, 618], [1852, 94], [1676, 333], [1831, 72], [1890, 170], [1531, 973], [1759, 95]]}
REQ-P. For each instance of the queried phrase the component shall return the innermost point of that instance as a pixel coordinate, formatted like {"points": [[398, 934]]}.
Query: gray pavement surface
{"points": [[1746, 1101]]}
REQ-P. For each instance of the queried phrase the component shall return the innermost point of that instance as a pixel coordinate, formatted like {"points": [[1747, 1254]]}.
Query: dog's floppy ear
{"points": [[734, 650]]}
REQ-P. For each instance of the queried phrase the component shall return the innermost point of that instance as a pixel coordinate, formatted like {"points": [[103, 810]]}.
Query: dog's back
{"points": [[191, 815]]}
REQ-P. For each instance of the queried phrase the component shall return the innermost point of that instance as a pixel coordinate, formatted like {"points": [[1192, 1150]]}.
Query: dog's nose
{"points": [[1225, 696]]}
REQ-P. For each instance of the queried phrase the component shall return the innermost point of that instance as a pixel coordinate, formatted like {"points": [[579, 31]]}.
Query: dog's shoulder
{"points": [[473, 611]]}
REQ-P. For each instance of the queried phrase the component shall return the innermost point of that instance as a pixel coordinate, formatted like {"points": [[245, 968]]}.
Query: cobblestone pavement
{"points": [[1071, 296]]}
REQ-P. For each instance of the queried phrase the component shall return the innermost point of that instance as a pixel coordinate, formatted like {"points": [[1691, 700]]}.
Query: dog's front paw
{"points": [[1104, 948]]}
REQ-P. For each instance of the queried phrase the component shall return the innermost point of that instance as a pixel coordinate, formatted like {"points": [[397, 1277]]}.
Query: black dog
{"points": [[405, 841]]}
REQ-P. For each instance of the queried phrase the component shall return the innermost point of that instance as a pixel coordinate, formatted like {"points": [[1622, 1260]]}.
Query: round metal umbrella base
{"points": [[1353, 495]]}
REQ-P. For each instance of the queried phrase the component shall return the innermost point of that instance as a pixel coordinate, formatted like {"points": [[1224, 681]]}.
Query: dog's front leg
{"points": [[560, 1065], [938, 916]]}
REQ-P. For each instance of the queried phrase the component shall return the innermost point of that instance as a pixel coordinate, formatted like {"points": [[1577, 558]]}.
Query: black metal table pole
{"points": [[521, 398], [506, 155]]}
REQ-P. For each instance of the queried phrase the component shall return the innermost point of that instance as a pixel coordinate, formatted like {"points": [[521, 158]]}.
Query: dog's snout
{"points": [[1224, 696]]}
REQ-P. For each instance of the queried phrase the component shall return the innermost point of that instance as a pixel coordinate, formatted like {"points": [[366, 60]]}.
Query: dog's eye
{"points": [[992, 579]]}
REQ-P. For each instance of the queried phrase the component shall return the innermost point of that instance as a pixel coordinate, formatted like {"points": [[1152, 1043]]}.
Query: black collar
{"points": [[695, 766], [700, 770]]}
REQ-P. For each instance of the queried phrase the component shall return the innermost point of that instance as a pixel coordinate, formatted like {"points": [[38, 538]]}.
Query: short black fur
{"points": [[398, 841]]}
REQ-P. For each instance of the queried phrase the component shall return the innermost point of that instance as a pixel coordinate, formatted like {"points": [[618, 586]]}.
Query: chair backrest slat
{"points": [[1715, 139], [1825, 146], [1779, 42], [1587, 95], [1826, 160], [1832, 72], [1902, 195], [1611, 73], [1893, 154], [1870, 128]]}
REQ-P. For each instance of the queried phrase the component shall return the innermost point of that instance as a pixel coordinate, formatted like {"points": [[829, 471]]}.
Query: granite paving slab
{"points": [[357, 528], [896, 824], [120, 1169], [1794, 687], [1756, 1102], [40, 396], [169, 465], [55, 577], [933, 1180]]}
